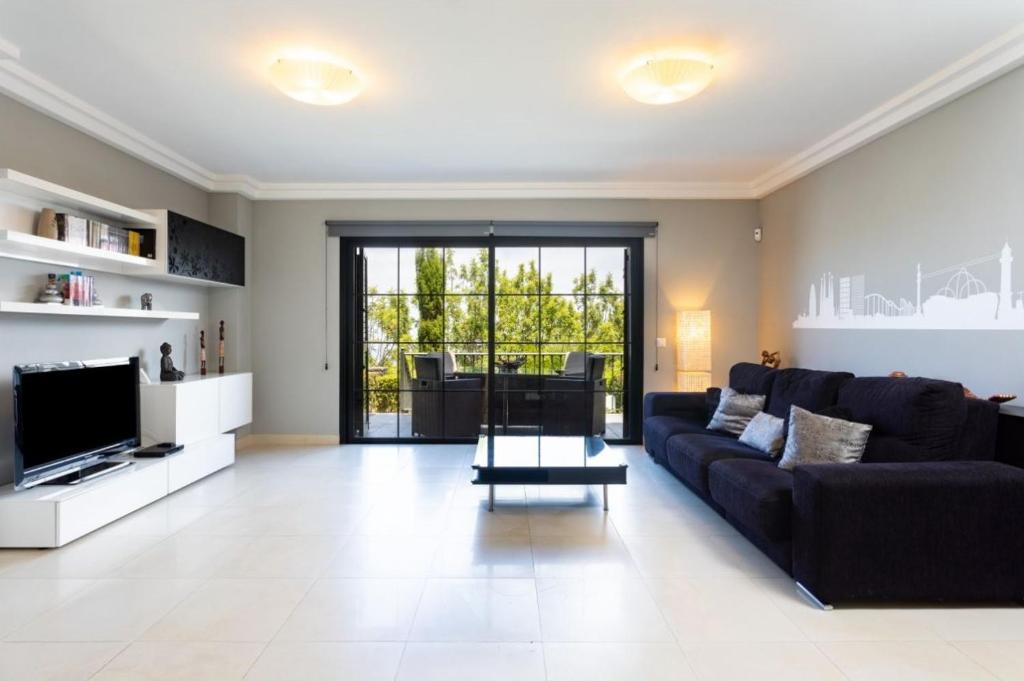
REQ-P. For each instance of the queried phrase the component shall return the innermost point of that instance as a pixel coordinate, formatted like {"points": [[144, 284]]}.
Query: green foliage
{"points": [[452, 306], [429, 289]]}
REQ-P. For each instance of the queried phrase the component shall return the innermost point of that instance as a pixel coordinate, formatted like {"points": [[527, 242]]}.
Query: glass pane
{"points": [[381, 270], [516, 358], [384, 316], [466, 270], [556, 360], [561, 269], [517, 319], [422, 271], [614, 425], [381, 416], [425, 321], [426, 412], [470, 358], [465, 319], [516, 270], [380, 359], [606, 319], [606, 270], [561, 319]]}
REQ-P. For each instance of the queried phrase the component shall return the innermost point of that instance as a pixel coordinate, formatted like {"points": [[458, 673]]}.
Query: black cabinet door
{"points": [[201, 251]]}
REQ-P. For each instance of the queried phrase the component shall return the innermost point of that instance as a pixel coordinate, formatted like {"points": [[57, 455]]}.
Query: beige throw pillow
{"points": [[814, 438], [735, 410], [765, 433]]}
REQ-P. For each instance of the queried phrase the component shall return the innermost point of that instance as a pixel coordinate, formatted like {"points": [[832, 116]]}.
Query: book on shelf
{"points": [[96, 234]]}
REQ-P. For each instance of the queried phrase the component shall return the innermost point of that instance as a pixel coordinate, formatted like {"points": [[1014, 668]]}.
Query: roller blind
{"points": [[511, 228]]}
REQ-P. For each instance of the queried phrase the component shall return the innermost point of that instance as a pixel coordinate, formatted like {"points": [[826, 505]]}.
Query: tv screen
{"points": [[70, 412]]}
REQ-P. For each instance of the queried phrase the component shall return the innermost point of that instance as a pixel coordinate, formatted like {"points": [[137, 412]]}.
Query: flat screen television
{"points": [[70, 415]]}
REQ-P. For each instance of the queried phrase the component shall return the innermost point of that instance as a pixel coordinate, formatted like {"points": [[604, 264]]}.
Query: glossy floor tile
{"points": [[382, 562]]}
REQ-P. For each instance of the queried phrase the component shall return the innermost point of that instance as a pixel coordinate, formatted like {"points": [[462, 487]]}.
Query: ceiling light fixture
{"points": [[315, 79], [667, 77]]}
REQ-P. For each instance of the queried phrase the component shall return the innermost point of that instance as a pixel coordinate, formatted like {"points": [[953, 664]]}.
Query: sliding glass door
{"points": [[448, 339]]}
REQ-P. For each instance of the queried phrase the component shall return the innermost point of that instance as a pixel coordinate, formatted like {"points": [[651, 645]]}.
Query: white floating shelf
{"points": [[71, 311], [56, 196], [24, 246]]}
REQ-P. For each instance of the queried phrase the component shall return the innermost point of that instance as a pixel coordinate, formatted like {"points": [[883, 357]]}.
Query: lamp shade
{"points": [[315, 80], [667, 79], [693, 350]]}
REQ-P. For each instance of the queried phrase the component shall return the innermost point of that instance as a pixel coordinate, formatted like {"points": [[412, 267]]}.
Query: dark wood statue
{"points": [[220, 350], [202, 353], [770, 359], [167, 370]]}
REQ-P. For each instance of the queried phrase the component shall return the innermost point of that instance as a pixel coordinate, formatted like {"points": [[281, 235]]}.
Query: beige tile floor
{"points": [[381, 562]]}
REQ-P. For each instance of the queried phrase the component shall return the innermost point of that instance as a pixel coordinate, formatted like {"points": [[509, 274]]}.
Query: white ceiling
{"points": [[478, 91]]}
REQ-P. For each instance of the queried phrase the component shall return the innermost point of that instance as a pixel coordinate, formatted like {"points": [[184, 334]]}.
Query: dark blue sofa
{"points": [[928, 515]]}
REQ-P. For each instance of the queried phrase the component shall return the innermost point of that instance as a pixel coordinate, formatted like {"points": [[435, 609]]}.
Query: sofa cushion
{"points": [[756, 494], [765, 433], [690, 455], [812, 390], [734, 412], [658, 429], [816, 439], [751, 379], [913, 419]]}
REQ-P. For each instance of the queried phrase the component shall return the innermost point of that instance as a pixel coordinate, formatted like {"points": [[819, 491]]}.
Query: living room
{"points": [[529, 340]]}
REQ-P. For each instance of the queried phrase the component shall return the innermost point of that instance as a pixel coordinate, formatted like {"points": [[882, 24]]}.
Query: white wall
{"points": [[944, 190], [708, 259]]}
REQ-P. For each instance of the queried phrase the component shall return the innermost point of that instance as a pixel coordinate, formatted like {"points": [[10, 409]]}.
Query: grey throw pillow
{"points": [[765, 432], [735, 411], [820, 439]]}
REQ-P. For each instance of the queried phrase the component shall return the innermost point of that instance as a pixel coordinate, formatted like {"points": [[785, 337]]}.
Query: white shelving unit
{"points": [[28, 187], [71, 311], [23, 246]]}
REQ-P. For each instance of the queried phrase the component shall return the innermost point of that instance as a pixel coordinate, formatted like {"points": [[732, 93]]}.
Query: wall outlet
{"points": [[660, 343], [758, 233]]}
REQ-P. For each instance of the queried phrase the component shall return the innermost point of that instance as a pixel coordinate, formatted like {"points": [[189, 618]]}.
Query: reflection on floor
{"points": [[384, 425], [381, 562]]}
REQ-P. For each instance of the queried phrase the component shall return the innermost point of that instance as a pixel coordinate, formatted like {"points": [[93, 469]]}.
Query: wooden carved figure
{"points": [[220, 350], [202, 353]]}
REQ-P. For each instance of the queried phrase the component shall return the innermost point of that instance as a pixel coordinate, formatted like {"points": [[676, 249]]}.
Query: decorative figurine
{"points": [[1002, 398], [46, 226], [202, 353], [770, 359], [897, 374], [51, 292], [96, 302], [147, 301], [167, 370], [220, 350]]}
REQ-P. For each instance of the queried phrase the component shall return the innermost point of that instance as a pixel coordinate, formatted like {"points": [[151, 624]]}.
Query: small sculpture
{"points": [[51, 292], [898, 374], [147, 301], [220, 350], [770, 359], [167, 370], [202, 353], [96, 302], [1002, 398]]}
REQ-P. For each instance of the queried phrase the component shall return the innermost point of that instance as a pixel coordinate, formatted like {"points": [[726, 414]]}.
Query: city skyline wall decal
{"points": [[950, 298]]}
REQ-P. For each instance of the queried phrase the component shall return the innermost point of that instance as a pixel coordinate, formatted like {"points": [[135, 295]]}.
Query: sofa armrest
{"points": [[685, 405], [936, 531]]}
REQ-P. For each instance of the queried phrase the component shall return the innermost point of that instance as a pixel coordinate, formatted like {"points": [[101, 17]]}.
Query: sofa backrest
{"points": [[979, 437], [913, 419], [806, 388], [751, 379]]}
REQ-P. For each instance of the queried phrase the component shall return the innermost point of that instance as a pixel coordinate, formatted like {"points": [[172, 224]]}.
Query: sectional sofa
{"points": [[927, 515]]}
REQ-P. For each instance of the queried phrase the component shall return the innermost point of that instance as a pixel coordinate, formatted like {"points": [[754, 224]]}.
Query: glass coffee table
{"points": [[547, 460]]}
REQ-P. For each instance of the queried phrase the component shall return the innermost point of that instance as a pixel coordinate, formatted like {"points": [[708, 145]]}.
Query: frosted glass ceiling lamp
{"points": [[667, 78], [315, 80], [693, 345]]}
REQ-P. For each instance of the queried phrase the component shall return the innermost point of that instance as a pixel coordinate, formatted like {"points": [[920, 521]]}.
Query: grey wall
{"points": [[708, 260], [943, 190], [35, 144]]}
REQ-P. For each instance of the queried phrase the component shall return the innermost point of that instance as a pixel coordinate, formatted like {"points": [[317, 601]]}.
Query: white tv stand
{"points": [[197, 413]]}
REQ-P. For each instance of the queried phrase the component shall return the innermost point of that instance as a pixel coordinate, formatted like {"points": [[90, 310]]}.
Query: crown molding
{"points": [[287, 191], [987, 63], [984, 64]]}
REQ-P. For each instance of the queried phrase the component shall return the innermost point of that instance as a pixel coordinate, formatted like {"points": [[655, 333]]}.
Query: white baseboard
{"points": [[284, 439]]}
